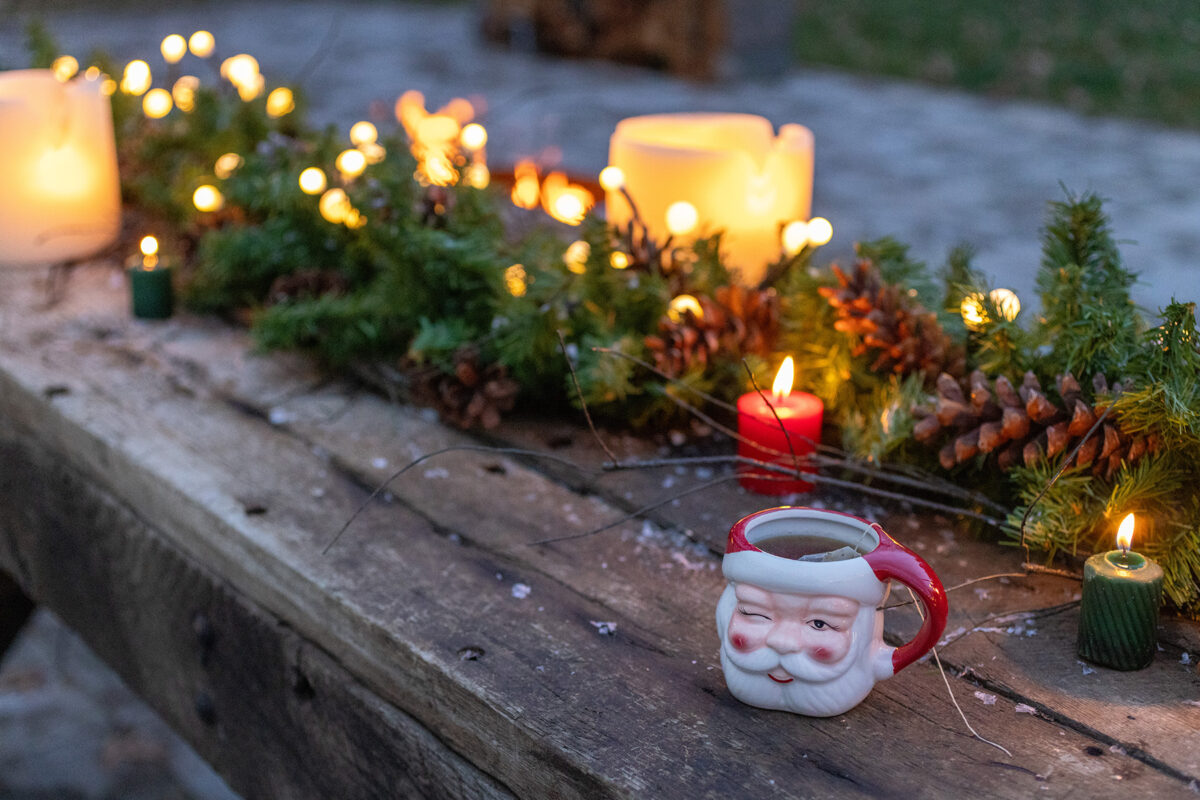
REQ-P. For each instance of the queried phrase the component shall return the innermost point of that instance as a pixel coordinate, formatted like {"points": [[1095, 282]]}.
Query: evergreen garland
{"points": [[433, 278]]}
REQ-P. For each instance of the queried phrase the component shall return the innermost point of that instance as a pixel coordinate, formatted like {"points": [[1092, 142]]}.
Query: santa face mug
{"points": [[800, 620]]}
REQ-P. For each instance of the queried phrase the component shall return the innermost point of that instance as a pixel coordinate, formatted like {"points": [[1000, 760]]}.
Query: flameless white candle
{"points": [[740, 177], [61, 196]]}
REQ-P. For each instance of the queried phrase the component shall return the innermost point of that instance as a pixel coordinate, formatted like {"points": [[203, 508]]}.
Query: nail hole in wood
{"points": [[496, 469], [206, 708], [55, 389], [1092, 750], [470, 653], [301, 686], [559, 441]]}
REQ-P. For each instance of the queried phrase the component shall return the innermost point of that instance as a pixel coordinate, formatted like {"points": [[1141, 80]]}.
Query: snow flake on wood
{"points": [[604, 628], [521, 590]]}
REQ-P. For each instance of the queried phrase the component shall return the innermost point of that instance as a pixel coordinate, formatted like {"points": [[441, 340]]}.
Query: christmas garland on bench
{"points": [[458, 301]]}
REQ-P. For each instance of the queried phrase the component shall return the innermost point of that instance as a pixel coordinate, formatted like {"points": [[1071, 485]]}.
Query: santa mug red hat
{"points": [[802, 631]]}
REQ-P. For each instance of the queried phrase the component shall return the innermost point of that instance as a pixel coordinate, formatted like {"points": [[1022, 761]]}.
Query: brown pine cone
{"points": [[306, 284], [738, 321], [903, 335], [475, 394], [1023, 425]]}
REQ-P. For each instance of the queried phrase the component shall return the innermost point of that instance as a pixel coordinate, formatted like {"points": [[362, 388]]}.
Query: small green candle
{"points": [[150, 284], [1118, 618]]}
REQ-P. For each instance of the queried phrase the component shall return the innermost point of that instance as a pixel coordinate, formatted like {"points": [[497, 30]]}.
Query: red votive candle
{"points": [[764, 439]]}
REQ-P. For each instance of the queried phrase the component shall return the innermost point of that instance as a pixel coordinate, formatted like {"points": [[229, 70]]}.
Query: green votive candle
{"points": [[1118, 618], [150, 283]]}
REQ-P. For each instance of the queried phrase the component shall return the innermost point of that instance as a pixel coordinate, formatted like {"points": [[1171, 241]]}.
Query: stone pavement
{"points": [[931, 167]]}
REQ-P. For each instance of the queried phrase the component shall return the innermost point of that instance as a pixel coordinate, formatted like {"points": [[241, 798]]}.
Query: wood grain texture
{"points": [[174, 422]]}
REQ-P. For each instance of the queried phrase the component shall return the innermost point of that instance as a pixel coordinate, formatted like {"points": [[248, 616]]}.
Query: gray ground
{"points": [[934, 168]]}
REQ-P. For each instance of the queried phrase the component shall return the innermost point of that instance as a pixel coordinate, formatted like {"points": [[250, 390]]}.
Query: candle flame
{"points": [[1125, 533], [148, 245], [783, 379]]}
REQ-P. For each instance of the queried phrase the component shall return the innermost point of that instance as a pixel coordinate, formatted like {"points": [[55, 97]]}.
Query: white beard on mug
{"points": [[836, 684]]}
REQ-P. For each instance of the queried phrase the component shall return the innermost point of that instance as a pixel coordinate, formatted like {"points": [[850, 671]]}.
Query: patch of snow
{"points": [[521, 590], [433, 473], [280, 416], [1022, 708], [379, 462], [986, 699], [604, 628]]}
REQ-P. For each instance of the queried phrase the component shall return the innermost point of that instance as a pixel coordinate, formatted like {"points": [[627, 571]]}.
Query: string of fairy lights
{"points": [[449, 146]]}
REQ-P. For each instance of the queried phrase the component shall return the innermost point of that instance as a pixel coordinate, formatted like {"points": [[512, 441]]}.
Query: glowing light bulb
{"points": [[576, 256], [227, 164], [373, 151], [351, 163], [280, 102], [612, 179], [108, 87], [619, 260], [148, 245], [240, 70], [184, 92], [795, 237], [363, 132], [65, 67], [157, 103], [312, 180], [516, 280], [173, 48], [1006, 302], [569, 208], [201, 43], [251, 89], [473, 136], [208, 198], [682, 218], [972, 310], [477, 176], [820, 231], [136, 79], [334, 206], [91, 73], [681, 305], [782, 386]]}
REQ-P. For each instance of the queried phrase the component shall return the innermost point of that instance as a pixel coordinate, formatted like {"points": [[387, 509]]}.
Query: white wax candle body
{"points": [[741, 178], [60, 196]]}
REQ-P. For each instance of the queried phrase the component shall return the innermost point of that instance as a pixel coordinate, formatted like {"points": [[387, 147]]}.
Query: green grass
{"points": [[1098, 57]]}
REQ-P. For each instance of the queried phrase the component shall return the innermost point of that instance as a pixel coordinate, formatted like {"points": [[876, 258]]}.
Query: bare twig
{"points": [[1065, 464], [634, 514], [950, 691], [612, 457], [674, 381], [787, 436], [515, 451]]}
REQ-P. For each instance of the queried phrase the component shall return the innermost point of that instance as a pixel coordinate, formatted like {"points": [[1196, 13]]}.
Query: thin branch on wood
{"points": [[1062, 468], [612, 457], [636, 514], [787, 436], [937, 659], [515, 451], [673, 381], [1004, 616]]}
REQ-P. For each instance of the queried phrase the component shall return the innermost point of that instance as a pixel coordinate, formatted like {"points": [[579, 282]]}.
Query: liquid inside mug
{"points": [[801, 619]]}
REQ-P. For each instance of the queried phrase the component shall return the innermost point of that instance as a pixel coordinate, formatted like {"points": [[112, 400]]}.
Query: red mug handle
{"points": [[893, 560]]}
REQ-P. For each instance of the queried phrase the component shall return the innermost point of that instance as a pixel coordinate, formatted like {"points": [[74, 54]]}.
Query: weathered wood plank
{"points": [[552, 707], [274, 713]]}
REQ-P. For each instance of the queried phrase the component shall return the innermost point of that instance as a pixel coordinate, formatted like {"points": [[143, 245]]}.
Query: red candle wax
{"points": [[800, 413]]}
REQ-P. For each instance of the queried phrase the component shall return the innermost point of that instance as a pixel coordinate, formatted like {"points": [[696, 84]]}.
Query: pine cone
{"points": [[473, 395], [305, 284], [738, 321], [904, 336], [1023, 425]]}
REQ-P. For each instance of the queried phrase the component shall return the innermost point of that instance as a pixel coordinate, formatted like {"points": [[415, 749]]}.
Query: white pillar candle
{"points": [[60, 196], [741, 178]]}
